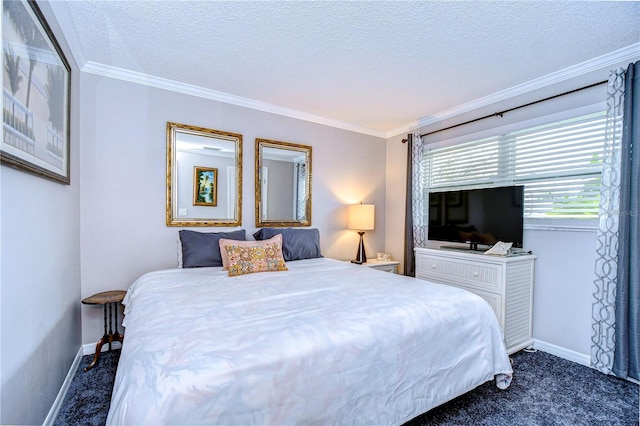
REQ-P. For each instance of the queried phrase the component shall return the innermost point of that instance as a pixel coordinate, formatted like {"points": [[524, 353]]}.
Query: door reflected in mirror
{"points": [[204, 176], [283, 184]]}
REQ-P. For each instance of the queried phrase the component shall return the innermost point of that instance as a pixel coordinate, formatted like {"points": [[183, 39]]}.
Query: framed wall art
{"points": [[205, 186], [36, 94]]}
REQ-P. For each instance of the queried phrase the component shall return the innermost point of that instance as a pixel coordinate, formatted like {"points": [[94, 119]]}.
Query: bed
{"points": [[324, 342]]}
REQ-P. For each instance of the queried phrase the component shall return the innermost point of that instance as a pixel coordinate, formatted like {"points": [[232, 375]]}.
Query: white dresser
{"points": [[505, 282]]}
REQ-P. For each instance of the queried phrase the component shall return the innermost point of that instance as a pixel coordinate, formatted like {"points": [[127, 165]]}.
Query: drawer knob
{"points": [[475, 273], [433, 266]]}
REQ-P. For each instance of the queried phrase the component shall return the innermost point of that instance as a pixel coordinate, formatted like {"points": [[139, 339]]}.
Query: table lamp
{"points": [[361, 217]]}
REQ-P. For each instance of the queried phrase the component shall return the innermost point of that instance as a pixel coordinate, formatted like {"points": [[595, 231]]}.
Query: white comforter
{"points": [[327, 343]]}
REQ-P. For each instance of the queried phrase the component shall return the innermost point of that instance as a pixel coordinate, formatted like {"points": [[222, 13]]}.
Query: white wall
{"points": [[123, 159], [563, 287], [39, 281]]}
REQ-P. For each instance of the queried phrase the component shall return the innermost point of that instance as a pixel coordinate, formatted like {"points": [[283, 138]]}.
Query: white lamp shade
{"points": [[361, 217]]}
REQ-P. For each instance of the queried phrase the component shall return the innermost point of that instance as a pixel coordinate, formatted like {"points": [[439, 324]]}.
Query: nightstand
{"points": [[109, 299], [383, 265]]}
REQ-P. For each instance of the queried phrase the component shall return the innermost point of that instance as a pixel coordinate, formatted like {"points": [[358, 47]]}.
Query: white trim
{"points": [[561, 352], [90, 348], [629, 53], [560, 228], [549, 224], [189, 89], [53, 412], [570, 355]]}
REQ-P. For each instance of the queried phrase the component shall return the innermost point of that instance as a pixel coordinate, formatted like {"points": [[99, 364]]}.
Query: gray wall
{"points": [[63, 243], [124, 143], [40, 280]]}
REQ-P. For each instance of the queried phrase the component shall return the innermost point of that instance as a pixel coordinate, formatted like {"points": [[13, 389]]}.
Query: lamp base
{"points": [[361, 256]]}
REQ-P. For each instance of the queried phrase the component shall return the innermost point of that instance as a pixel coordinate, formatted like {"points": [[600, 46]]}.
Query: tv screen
{"points": [[477, 216]]}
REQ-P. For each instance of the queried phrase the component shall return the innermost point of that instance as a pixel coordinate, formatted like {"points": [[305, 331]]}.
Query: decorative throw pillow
{"points": [[247, 257], [297, 244], [227, 242], [202, 248]]}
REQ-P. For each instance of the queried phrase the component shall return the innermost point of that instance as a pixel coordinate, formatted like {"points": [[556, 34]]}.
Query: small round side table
{"points": [[108, 299]]}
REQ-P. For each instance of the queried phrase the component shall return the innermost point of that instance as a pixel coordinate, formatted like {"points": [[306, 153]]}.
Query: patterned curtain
{"points": [[301, 193], [611, 257], [603, 308], [415, 217]]}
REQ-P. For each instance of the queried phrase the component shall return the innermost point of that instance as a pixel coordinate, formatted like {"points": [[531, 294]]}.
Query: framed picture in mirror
{"points": [[204, 176], [205, 186]]}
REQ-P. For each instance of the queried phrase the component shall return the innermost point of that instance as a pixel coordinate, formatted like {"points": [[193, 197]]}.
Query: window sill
{"points": [[572, 226]]}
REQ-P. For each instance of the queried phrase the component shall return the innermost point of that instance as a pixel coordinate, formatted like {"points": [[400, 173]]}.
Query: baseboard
{"points": [[53, 412], [90, 348], [561, 352]]}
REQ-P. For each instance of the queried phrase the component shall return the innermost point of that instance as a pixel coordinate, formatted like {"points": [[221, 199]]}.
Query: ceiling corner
{"points": [[62, 15]]}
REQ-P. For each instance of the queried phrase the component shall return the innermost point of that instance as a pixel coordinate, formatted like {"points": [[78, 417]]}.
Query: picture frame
{"points": [[205, 186], [36, 94]]}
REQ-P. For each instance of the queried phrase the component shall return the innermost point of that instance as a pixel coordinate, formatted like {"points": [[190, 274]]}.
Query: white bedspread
{"points": [[326, 343]]}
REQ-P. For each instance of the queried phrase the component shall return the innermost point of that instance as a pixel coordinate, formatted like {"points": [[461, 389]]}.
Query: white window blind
{"points": [[560, 165]]}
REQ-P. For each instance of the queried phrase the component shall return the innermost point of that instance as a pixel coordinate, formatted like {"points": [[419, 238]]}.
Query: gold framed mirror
{"points": [[283, 184], [204, 176]]}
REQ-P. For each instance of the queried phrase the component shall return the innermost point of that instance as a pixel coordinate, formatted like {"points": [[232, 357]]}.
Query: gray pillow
{"points": [[203, 248], [297, 244]]}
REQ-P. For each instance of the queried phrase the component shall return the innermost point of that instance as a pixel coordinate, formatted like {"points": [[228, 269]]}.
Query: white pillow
{"points": [[179, 251]]}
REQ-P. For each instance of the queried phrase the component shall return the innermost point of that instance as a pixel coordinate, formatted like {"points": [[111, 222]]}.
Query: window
{"points": [[559, 164]]}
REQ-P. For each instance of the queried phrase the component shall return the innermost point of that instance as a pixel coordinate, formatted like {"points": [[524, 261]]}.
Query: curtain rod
{"points": [[501, 113]]}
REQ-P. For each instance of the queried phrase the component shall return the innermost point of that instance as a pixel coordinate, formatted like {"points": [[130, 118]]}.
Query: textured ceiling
{"points": [[375, 65]]}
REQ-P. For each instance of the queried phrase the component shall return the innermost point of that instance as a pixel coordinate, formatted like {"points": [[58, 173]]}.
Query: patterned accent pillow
{"points": [[247, 257], [229, 241]]}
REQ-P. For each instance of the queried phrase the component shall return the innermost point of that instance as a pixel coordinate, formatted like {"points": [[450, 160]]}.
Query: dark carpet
{"points": [[546, 390], [87, 400]]}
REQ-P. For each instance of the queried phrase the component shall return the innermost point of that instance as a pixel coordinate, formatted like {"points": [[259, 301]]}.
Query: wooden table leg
{"points": [[107, 337], [96, 356]]}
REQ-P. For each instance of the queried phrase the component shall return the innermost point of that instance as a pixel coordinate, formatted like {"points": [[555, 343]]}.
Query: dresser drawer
{"points": [[506, 283], [475, 275]]}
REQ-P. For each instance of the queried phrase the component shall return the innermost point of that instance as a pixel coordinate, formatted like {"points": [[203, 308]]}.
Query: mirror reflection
{"points": [[204, 176], [283, 184]]}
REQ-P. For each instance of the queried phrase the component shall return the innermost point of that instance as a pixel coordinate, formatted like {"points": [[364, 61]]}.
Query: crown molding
{"points": [[629, 53], [188, 89]]}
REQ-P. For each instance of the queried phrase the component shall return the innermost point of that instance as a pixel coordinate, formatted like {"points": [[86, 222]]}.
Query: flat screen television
{"points": [[477, 216]]}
